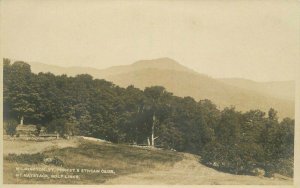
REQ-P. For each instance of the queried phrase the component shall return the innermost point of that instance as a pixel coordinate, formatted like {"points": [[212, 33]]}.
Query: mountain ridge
{"points": [[274, 88], [183, 81]]}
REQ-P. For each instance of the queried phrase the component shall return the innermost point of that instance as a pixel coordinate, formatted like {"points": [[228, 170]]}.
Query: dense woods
{"points": [[226, 139]]}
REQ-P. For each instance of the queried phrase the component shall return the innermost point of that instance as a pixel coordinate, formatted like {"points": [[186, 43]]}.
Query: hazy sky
{"points": [[259, 40]]}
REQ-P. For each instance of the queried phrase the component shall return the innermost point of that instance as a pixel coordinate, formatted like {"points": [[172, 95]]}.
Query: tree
{"points": [[228, 129], [268, 137], [156, 104], [18, 90], [57, 126], [170, 136], [284, 151], [285, 138]]}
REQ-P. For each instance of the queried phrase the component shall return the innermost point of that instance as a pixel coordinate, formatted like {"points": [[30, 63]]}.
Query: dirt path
{"points": [[190, 171]]}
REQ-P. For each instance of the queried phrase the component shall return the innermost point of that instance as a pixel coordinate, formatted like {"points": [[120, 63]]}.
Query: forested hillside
{"points": [[226, 139]]}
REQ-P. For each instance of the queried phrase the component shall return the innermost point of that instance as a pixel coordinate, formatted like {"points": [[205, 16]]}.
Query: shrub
{"points": [[285, 167], [10, 127], [236, 159]]}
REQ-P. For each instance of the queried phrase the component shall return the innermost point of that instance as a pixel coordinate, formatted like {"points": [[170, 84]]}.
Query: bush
{"points": [[38, 130], [236, 159], [10, 127], [285, 167]]}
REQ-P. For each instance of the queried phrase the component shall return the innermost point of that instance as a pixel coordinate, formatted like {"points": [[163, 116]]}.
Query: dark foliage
{"points": [[10, 127]]}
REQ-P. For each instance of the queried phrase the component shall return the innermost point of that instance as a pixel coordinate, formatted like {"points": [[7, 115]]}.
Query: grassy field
{"points": [[105, 163], [113, 160]]}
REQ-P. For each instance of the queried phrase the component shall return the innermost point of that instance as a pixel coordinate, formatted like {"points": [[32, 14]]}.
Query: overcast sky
{"points": [[258, 40]]}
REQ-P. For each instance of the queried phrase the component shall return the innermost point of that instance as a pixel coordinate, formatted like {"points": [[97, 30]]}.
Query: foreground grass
{"points": [[119, 159]]}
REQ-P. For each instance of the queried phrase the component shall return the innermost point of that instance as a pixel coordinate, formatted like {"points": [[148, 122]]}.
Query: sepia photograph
{"points": [[149, 92]]}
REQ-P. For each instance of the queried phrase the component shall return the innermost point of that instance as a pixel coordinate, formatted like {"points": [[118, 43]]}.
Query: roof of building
{"points": [[26, 128]]}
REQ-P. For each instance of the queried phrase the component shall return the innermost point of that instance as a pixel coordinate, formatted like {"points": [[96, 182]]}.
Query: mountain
{"points": [[280, 89], [58, 70], [182, 81], [162, 63], [200, 86]]}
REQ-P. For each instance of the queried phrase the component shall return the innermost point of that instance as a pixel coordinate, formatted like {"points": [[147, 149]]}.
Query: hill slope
{"points": [[189, 171], [186, 82], [132, 165], [280, 89]]}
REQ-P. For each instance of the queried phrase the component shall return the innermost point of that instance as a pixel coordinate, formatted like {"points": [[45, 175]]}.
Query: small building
{"points": [[26, 130], [32, 132]]}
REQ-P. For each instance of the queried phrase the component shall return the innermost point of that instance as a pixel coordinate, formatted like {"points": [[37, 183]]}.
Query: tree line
{"points": [[226, 139]]}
